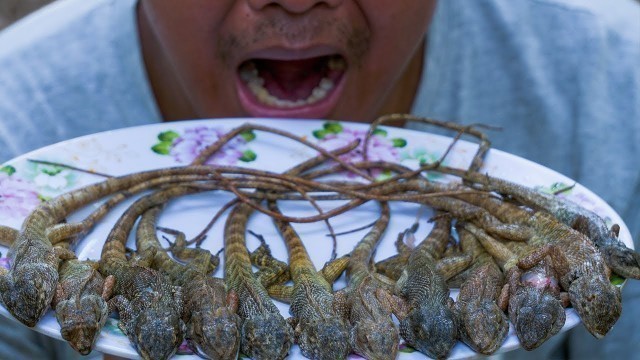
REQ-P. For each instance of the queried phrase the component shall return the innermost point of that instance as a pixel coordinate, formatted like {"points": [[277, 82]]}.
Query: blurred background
{"points": [[12, 10]]}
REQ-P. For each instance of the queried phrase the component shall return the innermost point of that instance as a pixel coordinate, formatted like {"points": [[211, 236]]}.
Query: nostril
{"points": [[293, 6]]}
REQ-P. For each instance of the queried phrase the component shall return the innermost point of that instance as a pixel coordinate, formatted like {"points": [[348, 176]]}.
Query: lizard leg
{"points": [[393, 303], [333, 269], [202, 259], [281, 292], [8, 235], [63, 253], [62, 232], [449, 267], [108, 286], [271, 270]]}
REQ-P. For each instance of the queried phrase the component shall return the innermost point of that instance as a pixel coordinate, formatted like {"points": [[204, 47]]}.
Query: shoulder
{"points": [[610, 20], [555, 41], [72, 68], [62, 19], [64, 43]]}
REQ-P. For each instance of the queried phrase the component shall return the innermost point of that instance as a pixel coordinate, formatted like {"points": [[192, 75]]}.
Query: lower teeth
{"points": [[249, 74]]}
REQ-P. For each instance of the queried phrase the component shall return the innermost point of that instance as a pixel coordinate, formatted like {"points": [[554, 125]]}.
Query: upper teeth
{"points": [[249, 74]]}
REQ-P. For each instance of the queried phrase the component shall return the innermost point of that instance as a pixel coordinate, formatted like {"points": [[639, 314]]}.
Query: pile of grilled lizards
{"points": [[518, 256]]}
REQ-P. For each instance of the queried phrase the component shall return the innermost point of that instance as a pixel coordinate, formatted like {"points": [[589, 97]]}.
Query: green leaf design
{"points": [[320, 134], [561, 187], [248, 135], [380, 132], [51, 171], [168, 136], [10, 170], [162, 148], [616, 279], [333, 127], [399, 142], [248, 156]]}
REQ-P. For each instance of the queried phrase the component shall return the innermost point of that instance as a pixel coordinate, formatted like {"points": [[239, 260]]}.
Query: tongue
{"points": [[291, 80]]}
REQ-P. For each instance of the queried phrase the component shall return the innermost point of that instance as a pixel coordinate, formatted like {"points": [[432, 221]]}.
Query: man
{"points": [[559, 76]]}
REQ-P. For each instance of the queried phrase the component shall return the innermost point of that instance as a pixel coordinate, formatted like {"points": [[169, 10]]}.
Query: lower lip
{"points": [[317, 110]]}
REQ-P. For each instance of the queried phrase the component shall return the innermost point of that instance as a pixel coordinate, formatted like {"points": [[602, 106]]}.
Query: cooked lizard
{"points": [[581, 269], [482, 324], [80, 301], [428, 323], [28, 287], [320, 330], [149, 305], [621, 259], [533, 302], [209, 312], [265, 334], [376, 336]]}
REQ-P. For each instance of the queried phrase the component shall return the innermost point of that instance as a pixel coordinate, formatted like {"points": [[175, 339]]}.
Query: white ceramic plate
{"points": [[23, 184]]}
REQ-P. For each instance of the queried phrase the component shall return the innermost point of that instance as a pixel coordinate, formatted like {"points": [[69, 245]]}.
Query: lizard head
{"points": [[431, 329], [376, 339], [537, 314], [622, 260], [324, 338], [81, 321], [214, 333], [27, 291], [597, 302], [157, 332], [266, 336], [483, 326]]}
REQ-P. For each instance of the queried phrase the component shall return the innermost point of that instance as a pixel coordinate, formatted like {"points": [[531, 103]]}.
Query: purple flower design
{"points": [[17, 196], [187, 147], [379, 148]]}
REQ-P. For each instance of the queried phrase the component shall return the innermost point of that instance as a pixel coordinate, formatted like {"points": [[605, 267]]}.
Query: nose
{"points": [[293, 6]]}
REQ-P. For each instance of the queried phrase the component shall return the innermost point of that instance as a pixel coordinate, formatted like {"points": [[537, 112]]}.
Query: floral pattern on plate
{"points": [[18, 196], [185, 147], [334, 135]]}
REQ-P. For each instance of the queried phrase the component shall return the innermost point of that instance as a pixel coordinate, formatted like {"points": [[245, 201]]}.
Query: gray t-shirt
{"points": [[561, 77]]}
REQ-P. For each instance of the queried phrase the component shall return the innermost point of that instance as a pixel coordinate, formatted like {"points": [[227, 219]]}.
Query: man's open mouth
{"points": [[291, 84]]}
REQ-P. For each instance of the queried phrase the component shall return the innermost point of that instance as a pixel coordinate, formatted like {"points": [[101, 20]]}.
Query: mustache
{"points": [[284, 32]]}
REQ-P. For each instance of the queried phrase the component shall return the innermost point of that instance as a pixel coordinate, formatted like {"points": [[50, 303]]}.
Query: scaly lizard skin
{"points": [[482, 324], [622, 260], [581, 269], [149, 306], [319, 329], [429, 324], [376, 336], [80, 301], [265, 334], [210, 314], [28, 287], [532, 297], [436, 242]]}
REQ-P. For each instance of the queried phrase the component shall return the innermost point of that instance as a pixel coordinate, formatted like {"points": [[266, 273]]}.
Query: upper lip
{"points": [[287, 53]]}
